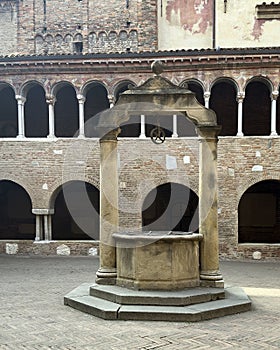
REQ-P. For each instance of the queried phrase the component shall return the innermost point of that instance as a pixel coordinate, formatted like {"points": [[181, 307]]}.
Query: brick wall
{"points": [[53, 27], [35, 164]]}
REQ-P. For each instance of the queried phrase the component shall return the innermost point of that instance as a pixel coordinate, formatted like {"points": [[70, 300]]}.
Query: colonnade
{"points": [[50, 100]]}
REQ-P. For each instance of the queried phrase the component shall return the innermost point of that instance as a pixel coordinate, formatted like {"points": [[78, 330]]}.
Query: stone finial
{"points": [[157, 67]]}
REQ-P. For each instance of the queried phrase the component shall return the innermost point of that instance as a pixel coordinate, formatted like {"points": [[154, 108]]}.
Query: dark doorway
{"points": [[8, 112], [259, 213], [170, 206], [16, 218], [257, 109], [223, 102], [76, 212]]}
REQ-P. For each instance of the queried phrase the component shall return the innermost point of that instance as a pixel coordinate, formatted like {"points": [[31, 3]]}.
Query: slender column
{"points": [[208, 211], [207, 95], [240, 99], [51, 101], [109, 219], [175, 120], [46, 228], [81, 100], [50, 227], [20, 103], [274, 97], [142, 127], [39, 231]]}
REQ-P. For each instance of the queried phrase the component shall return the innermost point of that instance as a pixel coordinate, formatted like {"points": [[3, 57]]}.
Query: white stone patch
{"points": [[58, 151], [257, 255], [219, 210], [35, 163], [11, 248], [171, 162], [80, 162], [230, 172], [257, 168], [122, 184], [258, 154], [187, 159], [63, 250], [93, 251], [45, 186]]}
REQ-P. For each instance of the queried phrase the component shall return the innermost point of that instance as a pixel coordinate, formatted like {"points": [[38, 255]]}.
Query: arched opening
{"points": [[170, 206], [259, 213], [257, 109], [8, 112], [16, 218], [278, 115], [130, 128], [96, 101], [36, 112], [66, 111], [76, 212], [186, 128], [223, 102]]}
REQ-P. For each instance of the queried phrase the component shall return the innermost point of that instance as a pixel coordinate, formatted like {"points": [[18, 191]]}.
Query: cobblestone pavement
{"points": [[32, 314]]}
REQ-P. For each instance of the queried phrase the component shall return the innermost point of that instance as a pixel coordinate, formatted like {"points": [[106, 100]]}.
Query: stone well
{"points": [[157, 260]]}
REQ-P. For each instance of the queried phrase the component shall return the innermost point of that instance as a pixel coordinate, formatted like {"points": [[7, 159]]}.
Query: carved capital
{"points": [[50, 99], [240, 96], [81, 98]]}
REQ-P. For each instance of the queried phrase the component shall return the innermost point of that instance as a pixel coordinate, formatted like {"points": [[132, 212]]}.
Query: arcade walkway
{"points": [[32, 314]]}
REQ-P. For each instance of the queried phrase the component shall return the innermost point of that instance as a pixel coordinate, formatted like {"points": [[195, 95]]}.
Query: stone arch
{"points": [[170, 206], [259, 213], [96, 101], [196, 86], [257, 107], [35, 109], [223, 102], [8, 111], [66, 109], [16, 218], [76, 211]]}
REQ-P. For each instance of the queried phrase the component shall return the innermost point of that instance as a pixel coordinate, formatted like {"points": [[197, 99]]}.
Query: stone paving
{"points": [[32, 314]]}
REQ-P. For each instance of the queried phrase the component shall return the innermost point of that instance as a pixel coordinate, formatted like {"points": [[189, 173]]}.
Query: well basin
{"points": [[157, 260]]}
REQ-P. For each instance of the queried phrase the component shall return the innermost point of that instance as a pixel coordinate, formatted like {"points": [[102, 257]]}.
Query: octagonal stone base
{"points": [[157, 260]]}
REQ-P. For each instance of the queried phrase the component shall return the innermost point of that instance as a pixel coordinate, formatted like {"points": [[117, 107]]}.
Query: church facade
{"points": [[63, 63]]}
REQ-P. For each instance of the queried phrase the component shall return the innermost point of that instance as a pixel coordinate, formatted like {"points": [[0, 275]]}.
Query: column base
{"points": [[142, 136], [211, 279], [20, 137], [273, 133], [81, 136], [240, 134], [106, 276]]}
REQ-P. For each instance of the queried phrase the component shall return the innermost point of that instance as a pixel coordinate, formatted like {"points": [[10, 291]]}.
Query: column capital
{"points": [[110, 136], [207, 94], [112, 100], [208, 133], [81, 98], [240, 96], [50, 99], [20, 99], [274, 95]]}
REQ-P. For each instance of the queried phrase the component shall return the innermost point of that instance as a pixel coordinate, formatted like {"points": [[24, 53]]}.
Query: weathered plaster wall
{"points": [[239, 26], [192, 24], [8, 26], [185, 24]]}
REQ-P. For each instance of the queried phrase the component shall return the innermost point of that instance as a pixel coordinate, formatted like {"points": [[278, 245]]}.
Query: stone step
{"points": [[184, 297], [235, 301]]}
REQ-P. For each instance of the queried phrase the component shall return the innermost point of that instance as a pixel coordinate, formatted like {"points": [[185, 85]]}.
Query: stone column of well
{"points": [[240, 99], [207, 95], [109, 218], [20, 103], [81, 100], [208, 211], [274, 97], [142, 127], [51, 101], [175, 124]]}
